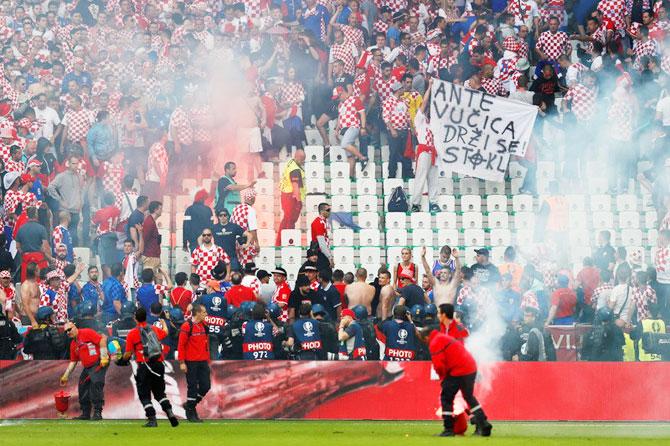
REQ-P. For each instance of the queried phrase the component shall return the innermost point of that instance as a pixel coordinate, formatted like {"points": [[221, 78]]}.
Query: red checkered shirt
{"points": [[380, 26], [158, 161], [349, 112], [614, 10], [494, 86], [15, 197], [439, 62], [245, 216], [14, 166], [206, 259], [529, 300], [344, 52], [553, 45], [200, 122], [520, 10], [395, 5], [383, 87], [180, 125], [292, 93], [314, 285], [255, 8], [78, 123], [112, 177], [582, 102], [662, 262], [353, 35], [596, 296], [281, 295], [395, 113], [648, 48], [57, 235], [643, 296], [252, 282], [665, 64], [59, 304]]}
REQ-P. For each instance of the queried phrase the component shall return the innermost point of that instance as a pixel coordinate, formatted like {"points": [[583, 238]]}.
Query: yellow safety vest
{"points": [[651, 326], [285, 185]]}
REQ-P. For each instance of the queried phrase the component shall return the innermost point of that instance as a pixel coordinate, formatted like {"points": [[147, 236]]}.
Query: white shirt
{"points": [[50, 118], [622, 305], [663, 109]]}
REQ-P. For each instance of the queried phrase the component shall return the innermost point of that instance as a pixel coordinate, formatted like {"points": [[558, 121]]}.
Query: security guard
{"points": [[350, 335], [121, 327], [399, 336], [327, 330], [89, 347], [257, 335], [217, 312], [279, 335], [368, 328], [304, 336], [174, 320], [418, 313], [193, 357], [85, 312], [9, 337], [45, 341], [429, 321], [150, 377]]}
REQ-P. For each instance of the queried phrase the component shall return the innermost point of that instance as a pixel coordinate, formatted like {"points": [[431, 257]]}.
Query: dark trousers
{"points": [[91, 388], [450, 387], [73, 226], [396, 152], [198, 381], [214, 343], [150, 380]]}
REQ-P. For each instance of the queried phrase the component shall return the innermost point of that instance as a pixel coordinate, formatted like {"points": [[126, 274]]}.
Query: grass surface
{"points": [[307, 433]]}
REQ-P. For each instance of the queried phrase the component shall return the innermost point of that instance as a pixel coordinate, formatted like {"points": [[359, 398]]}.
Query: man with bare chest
{"points": [[360, 292], [30, 295], [446, 283], [387, 296]]}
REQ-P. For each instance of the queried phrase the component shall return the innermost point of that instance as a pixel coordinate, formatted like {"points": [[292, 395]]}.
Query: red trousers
{"points": [[291, 208]]}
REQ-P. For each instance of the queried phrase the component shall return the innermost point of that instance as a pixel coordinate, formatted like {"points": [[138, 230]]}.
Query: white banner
{"points": [[475, 133]]}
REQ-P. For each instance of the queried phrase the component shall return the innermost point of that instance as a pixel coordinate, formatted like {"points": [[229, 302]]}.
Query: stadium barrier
{"points": [[571, 391]]}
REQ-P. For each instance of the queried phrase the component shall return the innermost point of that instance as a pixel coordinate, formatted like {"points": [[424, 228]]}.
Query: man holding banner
{"points": [[426, 172], [475, 133]]}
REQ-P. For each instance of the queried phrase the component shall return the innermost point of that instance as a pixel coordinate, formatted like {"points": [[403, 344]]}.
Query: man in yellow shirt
{"points": [[292, 188]]}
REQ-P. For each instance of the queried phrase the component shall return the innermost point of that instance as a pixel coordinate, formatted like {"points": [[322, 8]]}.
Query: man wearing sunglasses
{"points": [[226, 234], [89, 347], [206, 256], [320, 233]]}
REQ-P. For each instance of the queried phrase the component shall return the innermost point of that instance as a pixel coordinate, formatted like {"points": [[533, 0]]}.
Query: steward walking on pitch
{"points": [[193, 356], [143, 341]]}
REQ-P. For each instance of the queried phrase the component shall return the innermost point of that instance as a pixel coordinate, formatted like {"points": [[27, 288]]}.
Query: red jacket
{"points": [[193, 342], [456, 330], [450, 358]]}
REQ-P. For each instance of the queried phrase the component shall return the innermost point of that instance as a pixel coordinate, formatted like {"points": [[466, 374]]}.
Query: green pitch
{"points": [[307, 433]]}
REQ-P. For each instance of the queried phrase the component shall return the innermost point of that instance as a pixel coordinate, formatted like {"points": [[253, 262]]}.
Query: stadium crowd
{"points": [[106, 106]]}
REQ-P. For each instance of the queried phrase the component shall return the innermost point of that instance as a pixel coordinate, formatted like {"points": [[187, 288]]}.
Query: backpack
{"points": [[596, 342], [152, 346], [398, 201]]}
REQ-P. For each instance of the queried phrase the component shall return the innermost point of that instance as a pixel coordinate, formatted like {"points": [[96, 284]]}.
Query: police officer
{"points": [[121, 327], [279, 337], [89, 347], [257, 335], [371, 344], [605, 340], [150, 376], [429, 321], [350, 335], [45, 341], [418, 313], [85, 312], [9, 337], [304, 336], [174, 320], [231, 347], [399, 336], [217, 313], [327, 330], [193, 357]]}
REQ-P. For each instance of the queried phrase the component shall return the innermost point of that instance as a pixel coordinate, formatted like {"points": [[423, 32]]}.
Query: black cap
{"points": [[262, 274], [250, 268], [482, 252], [312, 252]]}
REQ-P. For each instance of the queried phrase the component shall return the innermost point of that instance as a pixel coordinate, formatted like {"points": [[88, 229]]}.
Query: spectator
{"points": [[486, 271], [239, 293], [512, 267], [563, 304], [588, 280], [405, 267], [603, 255], [151, 236], [150, 292], [181, 296], [207, 256], [301, 293], [321, 233], [197, 217], [106, 220], [267, 289], [92, 290], [329, 295], [226, 235], [67, 189], [662, 261], [32, 242], [114, 294], [249, 278]]}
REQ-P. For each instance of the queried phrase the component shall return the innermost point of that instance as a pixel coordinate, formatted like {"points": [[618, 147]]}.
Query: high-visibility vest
{"points": [[558, 214], [651, 326], [285, 185]]}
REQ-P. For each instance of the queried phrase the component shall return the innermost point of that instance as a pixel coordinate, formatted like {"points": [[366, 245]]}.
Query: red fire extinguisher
{"points": [[62, 401]]}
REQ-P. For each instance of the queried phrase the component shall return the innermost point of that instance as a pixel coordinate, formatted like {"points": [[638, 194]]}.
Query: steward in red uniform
{"points": [[150, 377], [89, 347], [457, 369], [449, 325], [193, 357]]}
